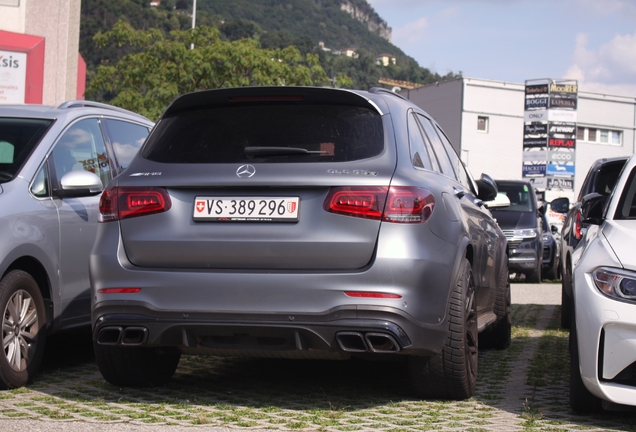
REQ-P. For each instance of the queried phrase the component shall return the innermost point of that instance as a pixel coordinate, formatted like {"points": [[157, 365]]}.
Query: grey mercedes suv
{"points": [[54, 162], [300, 223]]}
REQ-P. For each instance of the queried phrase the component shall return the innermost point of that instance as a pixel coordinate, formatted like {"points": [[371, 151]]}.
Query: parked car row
{"points": [[299, 223], [271, 221]]}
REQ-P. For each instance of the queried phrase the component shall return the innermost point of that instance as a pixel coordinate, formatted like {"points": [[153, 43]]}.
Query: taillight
{"points": [[577, 225], [409, 205], [117, 203], [363, 202], [118, 290], [398, 204]]}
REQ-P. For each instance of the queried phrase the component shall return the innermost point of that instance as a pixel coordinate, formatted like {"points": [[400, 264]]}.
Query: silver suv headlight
{"points": [[616, 283]]}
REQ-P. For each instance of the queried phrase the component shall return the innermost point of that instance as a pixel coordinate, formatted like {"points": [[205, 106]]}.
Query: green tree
{"points": [[166, 67]]}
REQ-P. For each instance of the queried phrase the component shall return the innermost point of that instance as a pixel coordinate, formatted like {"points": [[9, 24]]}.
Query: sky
{"points": [[592, 41]]}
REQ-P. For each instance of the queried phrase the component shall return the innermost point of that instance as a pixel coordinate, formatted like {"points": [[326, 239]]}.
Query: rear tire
{"points": [[136, 366], [23, 329], [452, 374], [581, 399], [499, 335]]}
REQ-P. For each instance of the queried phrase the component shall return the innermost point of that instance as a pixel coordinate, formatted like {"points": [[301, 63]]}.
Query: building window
{"points": [[599, 136], [482, 124]]}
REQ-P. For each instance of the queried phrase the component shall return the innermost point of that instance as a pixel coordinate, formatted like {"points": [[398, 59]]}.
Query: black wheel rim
{"points": [[19, 330]]}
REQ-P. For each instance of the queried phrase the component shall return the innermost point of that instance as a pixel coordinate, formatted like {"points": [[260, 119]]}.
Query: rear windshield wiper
{"points": [[280, 151]]}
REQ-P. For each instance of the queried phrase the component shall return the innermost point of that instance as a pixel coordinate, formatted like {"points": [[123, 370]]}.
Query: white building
{"points": [[485, 121], [61, 72]]}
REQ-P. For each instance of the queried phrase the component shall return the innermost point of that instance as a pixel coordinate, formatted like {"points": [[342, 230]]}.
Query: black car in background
{"points": [[600, 179], [521, 223]]}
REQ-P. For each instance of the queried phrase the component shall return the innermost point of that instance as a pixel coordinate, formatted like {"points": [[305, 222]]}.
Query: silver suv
{"points": [[54, 164], [300, 223]]}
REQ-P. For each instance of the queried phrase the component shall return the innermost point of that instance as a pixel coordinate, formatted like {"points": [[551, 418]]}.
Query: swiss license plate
{"points": [[246, 209]]}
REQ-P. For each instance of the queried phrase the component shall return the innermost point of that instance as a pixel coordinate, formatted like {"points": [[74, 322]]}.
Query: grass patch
{"points": [[550, 365]]}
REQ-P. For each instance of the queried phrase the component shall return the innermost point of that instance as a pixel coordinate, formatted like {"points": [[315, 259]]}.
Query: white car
{"points": [[603, 330]]}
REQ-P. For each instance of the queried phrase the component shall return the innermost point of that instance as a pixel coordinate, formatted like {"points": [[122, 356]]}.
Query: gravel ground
{"points": [[524, 388]]}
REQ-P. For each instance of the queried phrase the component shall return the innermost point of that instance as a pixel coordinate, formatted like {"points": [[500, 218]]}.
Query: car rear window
{"points": [[268, 133], [18, 138]]}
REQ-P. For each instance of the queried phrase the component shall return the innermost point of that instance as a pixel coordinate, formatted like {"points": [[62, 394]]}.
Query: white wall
{"points": [[605, 112], [496, 152], [12, 18], [499, 151]]}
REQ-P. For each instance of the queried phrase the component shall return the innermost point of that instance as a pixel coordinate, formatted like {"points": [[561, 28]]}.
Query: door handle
{"points": [[459, 193]]}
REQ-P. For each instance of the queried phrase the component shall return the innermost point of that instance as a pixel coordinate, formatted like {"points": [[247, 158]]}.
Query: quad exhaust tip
{"points": [[374, 342], [129, 336]]}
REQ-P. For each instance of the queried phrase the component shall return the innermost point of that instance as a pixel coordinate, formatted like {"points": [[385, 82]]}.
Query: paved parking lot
{"points": [[523, 388]]}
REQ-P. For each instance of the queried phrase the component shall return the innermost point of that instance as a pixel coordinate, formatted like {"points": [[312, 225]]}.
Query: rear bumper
{"points": [[338, 333], [256, 312]]}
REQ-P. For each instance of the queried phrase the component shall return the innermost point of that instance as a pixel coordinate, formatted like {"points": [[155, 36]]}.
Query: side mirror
{"points": [[592, 208], [501, 200], [79, 183], [487, 188], [560, 205]]}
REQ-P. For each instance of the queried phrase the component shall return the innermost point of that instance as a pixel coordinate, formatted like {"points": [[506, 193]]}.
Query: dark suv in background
{"points": [[601, 179], [521, 223], [299, 222]]}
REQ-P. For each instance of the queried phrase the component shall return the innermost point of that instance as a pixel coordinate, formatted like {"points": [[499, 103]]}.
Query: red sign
{"points": [[33, 46], [569, 143]]}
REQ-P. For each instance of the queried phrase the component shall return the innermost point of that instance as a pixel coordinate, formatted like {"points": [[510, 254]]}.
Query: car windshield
{"points": [[271, 133], [519, 196], [18, 138]]}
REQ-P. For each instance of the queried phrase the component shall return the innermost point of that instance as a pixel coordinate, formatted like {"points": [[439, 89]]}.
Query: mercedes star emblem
{"points": [[245, 171]]}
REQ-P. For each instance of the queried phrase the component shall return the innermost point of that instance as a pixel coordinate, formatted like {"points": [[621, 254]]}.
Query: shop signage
{"points": [[534, 170], [560, 115], [558, 142], [560, 183], [563, 128], [561, 155], [534, 103], [535, 116], [562, 102], [13, 68], [535, 129], [564, 89], [561, 170], [537, 89], [535, 155], [534, 142]]}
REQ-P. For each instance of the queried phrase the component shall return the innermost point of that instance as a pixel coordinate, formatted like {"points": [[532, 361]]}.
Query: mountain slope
{"points": [[337, 24]]}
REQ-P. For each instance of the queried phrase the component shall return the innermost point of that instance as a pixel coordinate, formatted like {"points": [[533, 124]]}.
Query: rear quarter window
{"points": [[627, 203], [330, 133]]}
